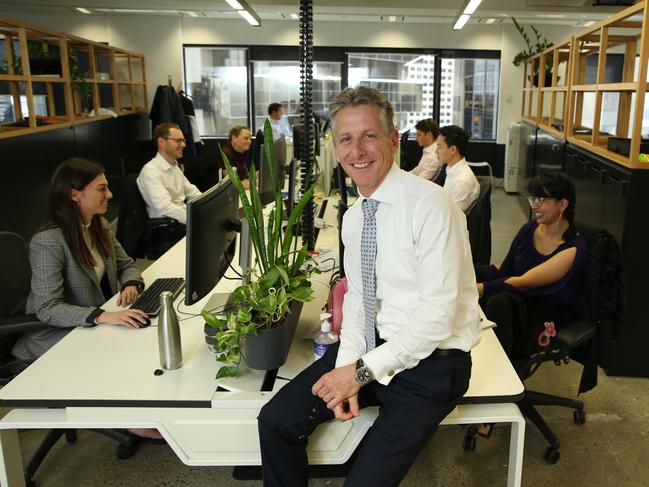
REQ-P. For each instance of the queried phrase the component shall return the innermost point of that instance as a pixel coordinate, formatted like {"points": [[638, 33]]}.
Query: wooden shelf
{"points": [[605, 88], [63, 77]]}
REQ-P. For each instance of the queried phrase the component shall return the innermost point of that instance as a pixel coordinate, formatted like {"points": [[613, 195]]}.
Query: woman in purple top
{"points": [[540, 276]]}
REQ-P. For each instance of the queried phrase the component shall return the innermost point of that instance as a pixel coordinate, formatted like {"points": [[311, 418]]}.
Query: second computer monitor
{"points": [[212, 223], [268, 186]]}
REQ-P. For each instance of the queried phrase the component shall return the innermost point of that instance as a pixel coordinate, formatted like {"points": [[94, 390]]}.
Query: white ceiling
{"points": [[560, 12]]}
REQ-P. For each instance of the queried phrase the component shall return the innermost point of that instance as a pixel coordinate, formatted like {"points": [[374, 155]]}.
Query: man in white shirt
{"points": [[278, 121], [461, 184], [429, 166], [161, 182], [410, 315]]}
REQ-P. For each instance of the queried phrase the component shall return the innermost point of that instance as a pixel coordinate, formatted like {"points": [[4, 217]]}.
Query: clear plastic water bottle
{"points": [[324, 337]]}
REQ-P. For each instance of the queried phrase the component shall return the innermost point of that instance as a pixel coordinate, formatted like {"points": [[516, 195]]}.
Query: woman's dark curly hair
{"points": [[557, 185]]}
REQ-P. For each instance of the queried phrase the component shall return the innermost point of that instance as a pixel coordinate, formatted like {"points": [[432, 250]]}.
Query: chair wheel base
{"points": [[579, 416], [126, 450], [552, 455]]}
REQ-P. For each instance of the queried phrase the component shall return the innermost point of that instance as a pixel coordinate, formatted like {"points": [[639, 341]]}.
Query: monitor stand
{"points": [[219, 304]]}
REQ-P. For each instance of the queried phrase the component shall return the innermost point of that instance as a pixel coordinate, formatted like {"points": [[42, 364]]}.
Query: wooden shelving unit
{"points": [[547, 81], [601, 104], [50, 79]]}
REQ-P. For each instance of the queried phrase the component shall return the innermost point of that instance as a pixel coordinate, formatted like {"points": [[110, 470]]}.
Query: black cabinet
{"points": [[614, 197]]}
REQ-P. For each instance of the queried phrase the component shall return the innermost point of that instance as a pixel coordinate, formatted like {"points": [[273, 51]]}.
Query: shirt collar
{"points": [[161, 162], [389, 188], [456, 167], [431, 148]]}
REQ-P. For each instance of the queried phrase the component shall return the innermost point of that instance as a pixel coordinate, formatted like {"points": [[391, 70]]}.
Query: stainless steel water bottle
{"points": [[169, 345]]}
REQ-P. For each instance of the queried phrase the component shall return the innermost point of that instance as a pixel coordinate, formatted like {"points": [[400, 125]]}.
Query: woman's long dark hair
{"points": [[63, 213], [557, 185]]}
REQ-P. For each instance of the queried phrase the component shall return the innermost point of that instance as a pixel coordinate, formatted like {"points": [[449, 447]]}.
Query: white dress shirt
{"points": [[461, 184], [429, 166], [426, 295], [165, 188], [280, 127]]}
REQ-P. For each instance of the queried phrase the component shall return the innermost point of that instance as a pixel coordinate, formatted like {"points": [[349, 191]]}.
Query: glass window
{"points": [[408, 80], [470, 97], [217, 80], [279, 82]]}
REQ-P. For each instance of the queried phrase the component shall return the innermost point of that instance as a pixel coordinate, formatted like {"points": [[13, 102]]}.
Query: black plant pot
{"points": [[548, 79], [45, 66], [269, 349]]}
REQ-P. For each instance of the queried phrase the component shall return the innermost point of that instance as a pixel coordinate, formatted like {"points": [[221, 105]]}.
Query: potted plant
{"points": [[259, 328], [533, 48]]}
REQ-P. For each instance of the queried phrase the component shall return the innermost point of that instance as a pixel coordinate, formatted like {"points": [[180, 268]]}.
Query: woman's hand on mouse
{"points": [[126, 317]]}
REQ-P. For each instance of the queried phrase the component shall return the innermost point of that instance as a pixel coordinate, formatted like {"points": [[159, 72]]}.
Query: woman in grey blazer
{"points": [[77, 263]]}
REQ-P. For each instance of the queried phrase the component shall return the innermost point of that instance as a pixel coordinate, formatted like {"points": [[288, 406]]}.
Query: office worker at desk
{"points": [[542, 271], [461, 184], [237, 150], [429, 165], [77, 263], [162, 184], [410, 316]]}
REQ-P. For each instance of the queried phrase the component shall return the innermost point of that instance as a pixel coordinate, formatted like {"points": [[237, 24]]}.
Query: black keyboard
{"points": [[149, 300]]}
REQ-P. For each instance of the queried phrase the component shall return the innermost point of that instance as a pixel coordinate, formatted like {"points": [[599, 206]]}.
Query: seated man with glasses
{"points": [[541, 272], [162, 184]]}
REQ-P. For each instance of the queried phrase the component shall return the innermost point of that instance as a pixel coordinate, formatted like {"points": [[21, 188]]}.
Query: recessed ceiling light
{"points": [[490, 20], [294, 16], [589, 23], [83, 10], [392, 18], [472, 6], [461, 21], [191, 13], [249, 17], [234, 4]]}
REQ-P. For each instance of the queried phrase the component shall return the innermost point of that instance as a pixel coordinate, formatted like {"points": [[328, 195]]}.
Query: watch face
{"points": [[363, 375]]}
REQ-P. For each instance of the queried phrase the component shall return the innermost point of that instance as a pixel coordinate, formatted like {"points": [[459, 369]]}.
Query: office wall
{"points": [[160, 39]]}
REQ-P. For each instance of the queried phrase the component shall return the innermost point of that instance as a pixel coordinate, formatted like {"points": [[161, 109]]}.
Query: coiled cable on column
{"points": [[307, 135]]}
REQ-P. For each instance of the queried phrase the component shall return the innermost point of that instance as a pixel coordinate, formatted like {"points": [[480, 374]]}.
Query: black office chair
{"points": [[403, 140], [598, 310], [14, 262], [141, 236], [478, 222]]}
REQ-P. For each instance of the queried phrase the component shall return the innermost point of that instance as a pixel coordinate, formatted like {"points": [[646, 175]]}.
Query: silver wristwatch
{"points": [[363, 373]]}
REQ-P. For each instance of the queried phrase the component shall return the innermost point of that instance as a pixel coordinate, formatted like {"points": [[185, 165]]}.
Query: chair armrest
{"points": [[161, 222], [17, 324], [575, 334]]}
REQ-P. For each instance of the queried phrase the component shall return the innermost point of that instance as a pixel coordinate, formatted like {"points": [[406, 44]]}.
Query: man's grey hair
{"points": [[362, 95]]}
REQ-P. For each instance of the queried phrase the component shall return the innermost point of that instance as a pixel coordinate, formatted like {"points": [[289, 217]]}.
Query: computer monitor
{"points": [[212, 224], [268, 187]]}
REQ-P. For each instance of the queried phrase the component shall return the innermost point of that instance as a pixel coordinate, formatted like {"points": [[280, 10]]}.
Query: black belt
{"points": [[450, 352]]}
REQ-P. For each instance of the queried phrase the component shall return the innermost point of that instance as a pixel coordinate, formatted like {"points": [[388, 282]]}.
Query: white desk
{"points": [[102, 377]]}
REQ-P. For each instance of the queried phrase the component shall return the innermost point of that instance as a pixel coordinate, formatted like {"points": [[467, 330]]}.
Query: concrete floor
{"points": [[610, 449]]}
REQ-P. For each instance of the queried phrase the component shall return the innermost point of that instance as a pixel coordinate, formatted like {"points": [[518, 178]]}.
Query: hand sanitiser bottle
{"points": [[324, 337]]}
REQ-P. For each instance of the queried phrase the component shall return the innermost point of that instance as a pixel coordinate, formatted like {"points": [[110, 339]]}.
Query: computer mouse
{"points": [[145, 324]]}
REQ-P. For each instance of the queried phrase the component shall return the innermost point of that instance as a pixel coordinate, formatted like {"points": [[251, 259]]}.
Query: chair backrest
{"points": [[600, 299], [133, 217], [403, 140], [482, 169], [14, 262], [478, 222]]}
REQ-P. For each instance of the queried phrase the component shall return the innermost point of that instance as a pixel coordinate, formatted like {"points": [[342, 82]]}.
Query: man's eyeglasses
{"points": [[177, 141], [536, 200]]}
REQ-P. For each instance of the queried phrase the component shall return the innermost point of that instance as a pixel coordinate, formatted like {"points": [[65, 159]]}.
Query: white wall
{"points": [[160, 39]]}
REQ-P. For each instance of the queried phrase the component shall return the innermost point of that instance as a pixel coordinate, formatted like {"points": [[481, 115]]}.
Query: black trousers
{"points": [[411, 408]]}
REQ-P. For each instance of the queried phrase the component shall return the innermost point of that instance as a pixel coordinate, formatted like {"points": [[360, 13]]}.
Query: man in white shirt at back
{"points": [[162, 184], [461, 184], [278, 121], [429, 166]]}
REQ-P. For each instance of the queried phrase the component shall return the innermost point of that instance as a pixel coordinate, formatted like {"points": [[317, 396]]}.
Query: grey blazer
{"points": [[63, 293]]}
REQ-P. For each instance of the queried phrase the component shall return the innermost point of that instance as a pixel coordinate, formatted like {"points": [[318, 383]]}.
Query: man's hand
{"points": [[347, 409], [336, 386]]}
